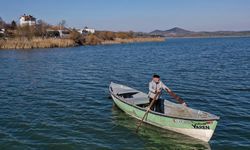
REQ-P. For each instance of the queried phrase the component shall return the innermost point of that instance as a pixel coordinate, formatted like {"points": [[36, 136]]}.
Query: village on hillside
{"points": [[32, 33], [48, 30]]}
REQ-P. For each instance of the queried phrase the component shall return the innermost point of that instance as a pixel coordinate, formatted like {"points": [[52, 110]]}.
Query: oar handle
{"points": [[151, 104]]}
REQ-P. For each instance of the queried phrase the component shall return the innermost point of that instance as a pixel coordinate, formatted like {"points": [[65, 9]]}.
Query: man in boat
{"points": [[156, 86]]}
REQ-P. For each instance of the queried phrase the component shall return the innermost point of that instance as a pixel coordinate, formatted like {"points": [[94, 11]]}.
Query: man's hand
{"points": [[168, 89], [157, 91]]}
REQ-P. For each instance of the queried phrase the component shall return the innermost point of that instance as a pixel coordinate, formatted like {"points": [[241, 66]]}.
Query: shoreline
{"points": [[133, 40], [201, 37], [24, 43]]}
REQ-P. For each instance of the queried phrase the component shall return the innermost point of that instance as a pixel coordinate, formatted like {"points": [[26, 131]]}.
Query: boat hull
{"points": [[199, 129]]}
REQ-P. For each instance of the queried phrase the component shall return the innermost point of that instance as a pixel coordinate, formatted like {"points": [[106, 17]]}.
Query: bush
{"points": [[1, 35], [77, 37], [124, 35], [105, 35], [41, 28], [91, 40], [26, 31]]}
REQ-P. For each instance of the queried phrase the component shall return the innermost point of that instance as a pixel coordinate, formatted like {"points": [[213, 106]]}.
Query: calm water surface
{"points": [[58, 98]]}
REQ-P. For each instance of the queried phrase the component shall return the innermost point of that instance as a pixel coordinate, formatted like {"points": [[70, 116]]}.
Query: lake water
{"points": [[58, 98]]}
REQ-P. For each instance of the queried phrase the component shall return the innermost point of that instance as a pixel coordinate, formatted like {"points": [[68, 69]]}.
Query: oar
{"points": [[151, 104], [178, 98]]}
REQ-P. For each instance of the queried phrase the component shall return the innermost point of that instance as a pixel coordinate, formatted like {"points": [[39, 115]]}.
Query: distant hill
{"points": [[179, 32]]}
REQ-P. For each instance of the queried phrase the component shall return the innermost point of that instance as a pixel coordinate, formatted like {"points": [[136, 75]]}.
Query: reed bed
{"points": [[134, 40], [24, 43]]}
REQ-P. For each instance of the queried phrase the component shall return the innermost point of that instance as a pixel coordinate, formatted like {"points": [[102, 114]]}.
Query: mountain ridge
{"points": [[180, 32]]}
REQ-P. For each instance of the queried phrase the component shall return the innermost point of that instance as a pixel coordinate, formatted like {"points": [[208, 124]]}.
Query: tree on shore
{"points": [[62, 24], [25, 32], [2, 23], [41, 28], [13, 25]]}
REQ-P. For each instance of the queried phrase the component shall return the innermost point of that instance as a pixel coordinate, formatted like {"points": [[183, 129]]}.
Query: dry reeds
{"points": [[24, 43], [133, 40]]}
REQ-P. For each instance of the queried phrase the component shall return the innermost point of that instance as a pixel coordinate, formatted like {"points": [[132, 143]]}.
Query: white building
{"points": [[86, 30], [27, 20], [2, 31], [64, 33], [57, 33]]}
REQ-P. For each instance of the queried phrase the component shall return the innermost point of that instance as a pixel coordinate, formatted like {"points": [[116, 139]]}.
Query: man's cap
{"points": [[156, 76]]}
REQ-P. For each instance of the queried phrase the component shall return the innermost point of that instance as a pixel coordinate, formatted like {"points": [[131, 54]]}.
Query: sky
{"points": [[135, 15]]}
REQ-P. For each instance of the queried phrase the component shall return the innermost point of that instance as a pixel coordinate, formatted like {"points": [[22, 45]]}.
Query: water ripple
{"points": [[58, 98]]}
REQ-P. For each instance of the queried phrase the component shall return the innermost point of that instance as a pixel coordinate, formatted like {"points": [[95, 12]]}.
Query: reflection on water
{"points": [[157, 138]]}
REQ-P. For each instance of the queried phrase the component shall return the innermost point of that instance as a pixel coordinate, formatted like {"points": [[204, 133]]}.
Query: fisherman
{"points": [[156, 86]]}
